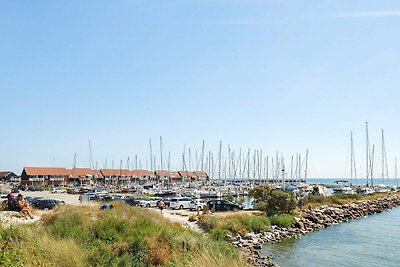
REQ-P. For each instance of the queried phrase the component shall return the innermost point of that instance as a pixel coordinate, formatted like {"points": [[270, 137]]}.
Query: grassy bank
{"points": [[124, 236], [341, 199], [219, 227]]}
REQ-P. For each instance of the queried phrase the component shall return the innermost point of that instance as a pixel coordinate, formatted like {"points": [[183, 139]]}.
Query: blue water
{"points": [[358, 181], [372, 241]]}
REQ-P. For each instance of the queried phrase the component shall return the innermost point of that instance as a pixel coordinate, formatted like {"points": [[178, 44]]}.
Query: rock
{"points": [[257, 246]]}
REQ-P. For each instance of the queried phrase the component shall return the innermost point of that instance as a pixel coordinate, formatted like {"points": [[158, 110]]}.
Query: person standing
{"points": [[161, 205]]}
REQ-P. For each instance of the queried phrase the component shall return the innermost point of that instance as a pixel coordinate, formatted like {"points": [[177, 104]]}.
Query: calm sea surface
{"points": [[359, 181], [365, 242]]}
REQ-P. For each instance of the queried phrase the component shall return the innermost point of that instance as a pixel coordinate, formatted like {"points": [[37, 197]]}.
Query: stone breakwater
{"points": [[309, 220]]}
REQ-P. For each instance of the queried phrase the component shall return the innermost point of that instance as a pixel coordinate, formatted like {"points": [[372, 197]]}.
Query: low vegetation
{"points": [[220, 227], [282, 220], [124, 236], [272, 200], [313, 201]]}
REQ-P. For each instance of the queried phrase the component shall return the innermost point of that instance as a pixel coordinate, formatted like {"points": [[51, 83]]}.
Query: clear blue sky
{"points": [[271, 75]]}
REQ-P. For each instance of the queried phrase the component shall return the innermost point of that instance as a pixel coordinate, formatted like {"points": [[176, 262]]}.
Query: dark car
{"points": [[133, 201], [48, 204], [15, 190], [223, 205], [34, 200], [35, 188], [73, 191]]}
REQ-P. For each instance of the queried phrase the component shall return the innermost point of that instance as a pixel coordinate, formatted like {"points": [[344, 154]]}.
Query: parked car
{"points": [[48, 204], [149, 202], [73, 191], [223, 205], [180, 203], [133, 201], [58, 190], [15, 190], [35, 188], [92, 197], [197, 204]]}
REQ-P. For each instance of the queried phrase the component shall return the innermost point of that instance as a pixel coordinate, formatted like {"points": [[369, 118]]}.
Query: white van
{"points": [[180, 203]]}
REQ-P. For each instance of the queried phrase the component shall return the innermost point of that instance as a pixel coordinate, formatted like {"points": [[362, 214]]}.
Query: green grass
{"points": [[124, 236], [220, 227], [282, 220]]}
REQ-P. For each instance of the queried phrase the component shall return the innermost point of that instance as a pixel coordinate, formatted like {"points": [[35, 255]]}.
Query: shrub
{"points": [[272, 200], [282, 220]]}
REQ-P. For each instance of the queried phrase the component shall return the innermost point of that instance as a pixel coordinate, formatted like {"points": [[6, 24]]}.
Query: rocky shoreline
{"points": [[309, 220]]}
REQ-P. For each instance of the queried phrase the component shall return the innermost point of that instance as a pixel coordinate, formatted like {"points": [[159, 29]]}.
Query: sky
{"points": [[269, 75]]}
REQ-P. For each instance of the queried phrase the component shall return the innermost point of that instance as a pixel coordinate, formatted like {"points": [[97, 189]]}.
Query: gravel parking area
{"points": [[67, 198]]}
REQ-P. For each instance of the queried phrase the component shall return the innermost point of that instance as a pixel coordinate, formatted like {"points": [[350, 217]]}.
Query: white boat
{"points": [[381, 188], [342, 188], [366, 191]]}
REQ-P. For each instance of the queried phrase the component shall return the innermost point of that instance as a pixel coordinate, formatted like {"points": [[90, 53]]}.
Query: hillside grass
{"points": [[124, 236]]}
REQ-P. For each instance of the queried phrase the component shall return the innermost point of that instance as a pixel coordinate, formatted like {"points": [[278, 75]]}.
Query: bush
{"points": [[272, 200], [282, 220]]}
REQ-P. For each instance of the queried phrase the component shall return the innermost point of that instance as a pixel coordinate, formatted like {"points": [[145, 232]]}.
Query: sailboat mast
{"points": [[306, 170], [161, 154], [372, 165], [202, 157], [220, 159], [395, 172], [383, 158], [367, 153], [151, 155]]}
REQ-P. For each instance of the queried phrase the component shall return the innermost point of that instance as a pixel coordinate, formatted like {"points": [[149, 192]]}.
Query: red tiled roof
{"points": [[116, 172], [142, 173], [84, 172], [200, 174], [97, 174], [80, 172], [162, 173], [46, 171], [174, 175], [4, 174], [186, 174]]}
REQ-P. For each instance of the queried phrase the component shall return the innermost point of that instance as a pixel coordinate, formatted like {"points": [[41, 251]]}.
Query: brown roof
{"points": [[46, 171], [174, 175], [97, 174], [200, 174], [142, 173], [162, 173], [4, 174], [116, 172], [80, 172], [186, 174]]}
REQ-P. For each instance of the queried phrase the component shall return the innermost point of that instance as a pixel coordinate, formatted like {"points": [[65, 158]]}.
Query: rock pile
{"points": [[308, 221]]}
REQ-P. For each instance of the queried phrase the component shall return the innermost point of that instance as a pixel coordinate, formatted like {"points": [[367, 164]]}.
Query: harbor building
{"points": [[9, 176], [44, 176]]}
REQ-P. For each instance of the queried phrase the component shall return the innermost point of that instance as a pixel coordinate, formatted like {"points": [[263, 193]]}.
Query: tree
{"points": [[272, 200]]}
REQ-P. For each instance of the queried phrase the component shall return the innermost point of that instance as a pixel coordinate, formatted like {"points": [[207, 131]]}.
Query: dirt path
{"points": [[182, 217]]}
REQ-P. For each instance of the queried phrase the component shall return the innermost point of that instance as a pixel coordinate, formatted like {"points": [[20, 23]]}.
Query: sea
{"points": [[354, 181], [372, 241]]}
